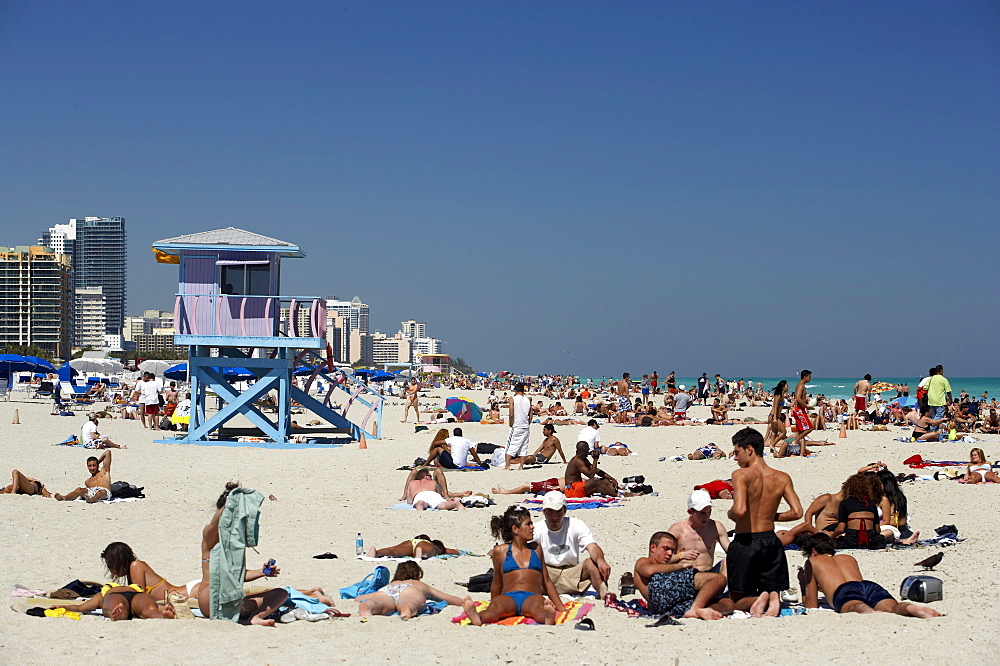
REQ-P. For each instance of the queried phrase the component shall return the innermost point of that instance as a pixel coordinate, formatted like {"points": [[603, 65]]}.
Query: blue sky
{"points": [[748, 188]]}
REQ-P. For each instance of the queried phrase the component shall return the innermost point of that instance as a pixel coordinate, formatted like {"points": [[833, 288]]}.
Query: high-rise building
{"points": [[423, 346], [354, 312], [389, 350], [145, 323], [97, 248], [89, 318], [36, 299], [412, 328]]}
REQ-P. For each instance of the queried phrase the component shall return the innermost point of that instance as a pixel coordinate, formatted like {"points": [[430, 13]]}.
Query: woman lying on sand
{"points": [[121, 602], [404, 593], [122, 564], [521, 583], [420, 547], [979, 470]]}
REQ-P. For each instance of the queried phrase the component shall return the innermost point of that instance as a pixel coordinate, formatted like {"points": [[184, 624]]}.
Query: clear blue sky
{"points": [[748, 188]]}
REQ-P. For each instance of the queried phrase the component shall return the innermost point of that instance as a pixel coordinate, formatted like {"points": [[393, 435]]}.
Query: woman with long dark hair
{"points": [[895, 521]]}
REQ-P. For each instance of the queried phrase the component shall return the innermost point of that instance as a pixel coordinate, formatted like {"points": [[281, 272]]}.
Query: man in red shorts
{"points": [[718, 489], [800, 407], [861, 391]]}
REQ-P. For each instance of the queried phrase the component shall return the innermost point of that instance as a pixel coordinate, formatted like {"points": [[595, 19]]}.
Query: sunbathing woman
{"points": [[121, 602], [405, 593], [922, 428], [520, 581], [440, 451], [979, 470], [895, 521], [420, 547], [122, 564], [856, 523]]}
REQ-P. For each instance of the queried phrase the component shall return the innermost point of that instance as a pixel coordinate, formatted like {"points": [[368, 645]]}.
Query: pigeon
{"points": [[930, 562]]}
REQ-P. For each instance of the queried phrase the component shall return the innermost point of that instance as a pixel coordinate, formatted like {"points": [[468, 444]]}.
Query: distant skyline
{"points": [[584, 187]]}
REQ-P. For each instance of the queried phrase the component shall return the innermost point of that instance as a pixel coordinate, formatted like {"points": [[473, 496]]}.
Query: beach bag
{"points": [[921, 589], [373, 582], [481, 582], [123, 489]]}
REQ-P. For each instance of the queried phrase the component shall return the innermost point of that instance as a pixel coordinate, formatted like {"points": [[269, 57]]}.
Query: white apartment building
{"points": [[89, 318], [389, 350], [412, 328]]}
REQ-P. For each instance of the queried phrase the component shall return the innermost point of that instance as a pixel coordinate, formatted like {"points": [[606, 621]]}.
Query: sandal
{"points": [[325, 556], [333, 612], [586, 624]]}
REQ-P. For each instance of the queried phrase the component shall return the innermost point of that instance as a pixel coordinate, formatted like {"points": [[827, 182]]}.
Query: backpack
{"points": [[123, 489], [481, 582], [373, 582]]}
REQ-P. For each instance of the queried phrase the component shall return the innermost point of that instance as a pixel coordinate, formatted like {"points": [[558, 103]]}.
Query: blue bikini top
{"points": [[510, 564]]}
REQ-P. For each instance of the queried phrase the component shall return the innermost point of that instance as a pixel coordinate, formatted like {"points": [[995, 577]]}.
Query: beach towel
{"points": [[917, 462], [576, 503], [574, 612], [72, 440]]}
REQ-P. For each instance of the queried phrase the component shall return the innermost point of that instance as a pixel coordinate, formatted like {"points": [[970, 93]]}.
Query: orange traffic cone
{"points": [[364, 443], [843, 430], [17, 418]]}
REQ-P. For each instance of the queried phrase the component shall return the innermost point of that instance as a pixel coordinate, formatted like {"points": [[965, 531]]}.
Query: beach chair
{"points": [[74, 397], [4, 393], [44, 390]]}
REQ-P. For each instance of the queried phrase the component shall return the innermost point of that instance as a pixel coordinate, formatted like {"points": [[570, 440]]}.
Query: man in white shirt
{"points": [[564, 541], [147, 393], [92, 439], [682, 400], [591, 435], [461, 448], [518, 418]]}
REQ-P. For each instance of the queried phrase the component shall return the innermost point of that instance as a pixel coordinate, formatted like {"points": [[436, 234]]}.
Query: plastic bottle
{"points": [[359, 546]]}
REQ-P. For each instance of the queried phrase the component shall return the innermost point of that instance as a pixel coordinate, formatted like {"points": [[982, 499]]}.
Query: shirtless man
{"points": [[756, 563], [598, 481], [24, 485], [622, 389], [839, 577], [549, 447], [98, 486], [412, 400], [256, 607], [673, 586], [698, 534], [800, 408], [861, 392], [821, 516], [719, 416], [424, 491]]}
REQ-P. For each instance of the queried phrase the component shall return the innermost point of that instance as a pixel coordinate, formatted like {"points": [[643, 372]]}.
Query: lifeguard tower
{"points": [[229, 313]]}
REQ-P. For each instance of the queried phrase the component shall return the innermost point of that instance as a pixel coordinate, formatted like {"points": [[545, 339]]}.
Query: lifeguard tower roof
{"points": [[232, 239]]}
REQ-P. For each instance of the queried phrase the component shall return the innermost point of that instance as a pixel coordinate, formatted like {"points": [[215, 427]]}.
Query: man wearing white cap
{"points": [[698, 534], [564, 541]]}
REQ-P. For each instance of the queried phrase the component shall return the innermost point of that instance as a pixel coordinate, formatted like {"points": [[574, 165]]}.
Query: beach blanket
{"points": [[446, 556], [917, 462], [72, 440], [576, 503], [113, 500], [574, 612], [637, 608]]}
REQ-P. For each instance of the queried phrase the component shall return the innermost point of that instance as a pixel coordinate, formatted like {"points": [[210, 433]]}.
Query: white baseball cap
{"points": [[682, 387], [555, 500], [699, 499]]}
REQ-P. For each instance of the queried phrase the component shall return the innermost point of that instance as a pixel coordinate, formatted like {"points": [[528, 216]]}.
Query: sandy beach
{"points": [[324, 497]]}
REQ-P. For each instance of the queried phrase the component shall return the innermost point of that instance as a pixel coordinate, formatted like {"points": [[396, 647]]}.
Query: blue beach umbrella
{"points": [[906, 401], [382, 376], [481, 374]]}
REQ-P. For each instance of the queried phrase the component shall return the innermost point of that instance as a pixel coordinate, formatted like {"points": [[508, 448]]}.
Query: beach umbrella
{"points": [[180, 372], [882, 387], [103, 365], [904, 402], [156, 367], [66, 373], [176, 372], [380, 376], [304, 370], [14, 363], [464, 409], [41, 365], [481, 374]]}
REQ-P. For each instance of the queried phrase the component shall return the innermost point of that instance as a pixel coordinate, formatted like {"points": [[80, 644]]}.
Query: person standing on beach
{"points": [[518, 418], [703, 389], [671, 383], [756, 564], [412, 400], [800, 408], [622, 391], [644, 387], [938, 393], [654, 381], [861, 391]]}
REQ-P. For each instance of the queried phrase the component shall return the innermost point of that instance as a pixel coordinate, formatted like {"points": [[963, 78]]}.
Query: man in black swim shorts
{"points": [[839, 577]]}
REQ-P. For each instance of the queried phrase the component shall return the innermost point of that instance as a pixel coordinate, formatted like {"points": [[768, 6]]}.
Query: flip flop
{"points": [[586, 624], [325, 556], [333, 612], [664, 621]]}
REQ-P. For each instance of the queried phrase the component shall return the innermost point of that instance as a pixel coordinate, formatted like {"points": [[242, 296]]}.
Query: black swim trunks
{"points": [[672, 593], [865, 591], [756, 563]]}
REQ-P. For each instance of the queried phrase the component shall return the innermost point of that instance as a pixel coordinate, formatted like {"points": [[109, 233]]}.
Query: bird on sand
{"points": [[930, 562]]}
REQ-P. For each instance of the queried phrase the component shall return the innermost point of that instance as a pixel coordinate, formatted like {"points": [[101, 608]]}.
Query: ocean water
{"points": [[842, 387]]}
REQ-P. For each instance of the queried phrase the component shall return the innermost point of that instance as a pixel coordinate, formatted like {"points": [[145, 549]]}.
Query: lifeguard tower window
{"points": [[246, 280]]}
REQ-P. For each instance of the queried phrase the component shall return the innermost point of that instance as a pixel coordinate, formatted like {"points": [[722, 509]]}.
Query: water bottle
{"points": [[359, 546]]}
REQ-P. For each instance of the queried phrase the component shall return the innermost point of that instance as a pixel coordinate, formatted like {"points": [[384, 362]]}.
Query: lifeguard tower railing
{"points": [[276, 327]]}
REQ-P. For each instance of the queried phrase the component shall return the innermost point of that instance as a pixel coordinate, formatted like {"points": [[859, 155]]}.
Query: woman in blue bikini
{"points": [[521, 584]]}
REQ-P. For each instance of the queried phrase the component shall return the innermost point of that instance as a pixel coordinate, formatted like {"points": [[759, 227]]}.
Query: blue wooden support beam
{"points": [[238, 403]]}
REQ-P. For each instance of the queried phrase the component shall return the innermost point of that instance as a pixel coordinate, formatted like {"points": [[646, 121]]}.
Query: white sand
{"points": [[326, 496]]}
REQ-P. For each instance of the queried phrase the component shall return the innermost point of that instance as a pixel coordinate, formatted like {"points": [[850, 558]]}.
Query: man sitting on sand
{"points": [[549, 447], [92, 439], [839, 577], [676, 587], [598, 482], [98, 486], [424, 492], [564, 542], [24, 485], [698, 534]]}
